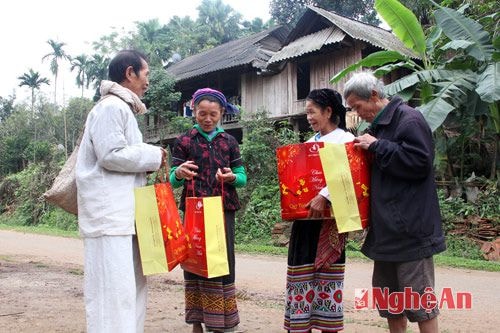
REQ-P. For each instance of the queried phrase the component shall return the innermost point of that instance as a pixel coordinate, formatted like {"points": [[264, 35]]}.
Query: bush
{"points": [[57, 218], [463, 247], [261, 213], [260, 198]]}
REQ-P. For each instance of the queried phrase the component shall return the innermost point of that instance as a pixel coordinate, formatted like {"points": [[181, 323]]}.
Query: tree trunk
{"points": [[34, 122], [493, 172], [65, 134]]}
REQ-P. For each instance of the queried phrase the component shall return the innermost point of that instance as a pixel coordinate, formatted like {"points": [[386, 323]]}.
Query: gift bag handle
{"points": [[191, 187], [162, 173]]}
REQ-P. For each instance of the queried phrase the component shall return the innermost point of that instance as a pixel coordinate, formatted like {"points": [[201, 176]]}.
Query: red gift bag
{"points": [[161, 236], [300, 177], [205, 227]]}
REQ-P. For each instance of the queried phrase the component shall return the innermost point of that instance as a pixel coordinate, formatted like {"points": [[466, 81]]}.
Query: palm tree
{"points": [[34, 81], [220, 21], [57, 54], [152, 38], [82, 64], [97, 71]]}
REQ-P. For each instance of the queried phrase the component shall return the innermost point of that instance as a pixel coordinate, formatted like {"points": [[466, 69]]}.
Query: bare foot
{"points": [[197, 328]]}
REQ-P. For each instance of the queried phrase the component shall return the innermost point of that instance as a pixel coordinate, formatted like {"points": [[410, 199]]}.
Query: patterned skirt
{"points": [[213, 301], [314, 297]]}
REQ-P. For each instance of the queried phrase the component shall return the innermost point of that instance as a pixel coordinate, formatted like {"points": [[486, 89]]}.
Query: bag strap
{"points": [[191, 187], [162, 173]]}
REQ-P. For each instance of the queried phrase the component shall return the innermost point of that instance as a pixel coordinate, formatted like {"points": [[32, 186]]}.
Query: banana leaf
{"points": [[403, 23], [488, 87], [458, 27], [373, 60]]}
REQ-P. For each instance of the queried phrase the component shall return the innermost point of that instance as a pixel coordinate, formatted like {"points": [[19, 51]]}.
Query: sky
{"points": [[27, 25]]}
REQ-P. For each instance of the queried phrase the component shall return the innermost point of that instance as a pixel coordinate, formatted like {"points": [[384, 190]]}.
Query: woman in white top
{"points": [[316, 253]]}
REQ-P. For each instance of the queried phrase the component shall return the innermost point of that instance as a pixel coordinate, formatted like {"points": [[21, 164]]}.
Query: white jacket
{"points": [[336, 136], [112, 161]]}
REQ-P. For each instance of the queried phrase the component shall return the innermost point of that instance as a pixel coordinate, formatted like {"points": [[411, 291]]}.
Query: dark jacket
{"points": [[222, 152], [405, 216]]}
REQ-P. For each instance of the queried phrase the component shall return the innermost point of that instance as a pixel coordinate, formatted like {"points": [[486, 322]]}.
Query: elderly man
{"points": [[406, 228], [112, 161]]}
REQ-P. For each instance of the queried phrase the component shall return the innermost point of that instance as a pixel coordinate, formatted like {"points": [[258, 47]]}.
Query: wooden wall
{"points": [[278, 93]]}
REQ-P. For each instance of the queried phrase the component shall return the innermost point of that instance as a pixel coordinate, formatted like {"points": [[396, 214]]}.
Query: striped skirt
{"points": [[313, 297], [213, 301]]}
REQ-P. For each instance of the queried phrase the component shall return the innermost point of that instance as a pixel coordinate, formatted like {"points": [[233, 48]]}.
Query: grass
{"points": [[259, 248], [458, 262], [41, 229]]}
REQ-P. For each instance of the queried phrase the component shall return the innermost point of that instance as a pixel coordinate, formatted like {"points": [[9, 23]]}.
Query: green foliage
{"points": [[161, 94], [463, 247], [56, 218], [459, 262], [260, 143], [453, 210], [37, 150], [15, 137], [152, 39], [261, 213], [454, 83], [460, 216], [289, 11], [404, 23], [179, 124], [456, 52], [221, 22], [260, 198], [28, 207], [260, 247], [6, 107]]}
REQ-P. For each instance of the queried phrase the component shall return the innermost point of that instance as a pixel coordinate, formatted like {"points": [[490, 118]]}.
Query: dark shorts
{"points": [[417, 275]]}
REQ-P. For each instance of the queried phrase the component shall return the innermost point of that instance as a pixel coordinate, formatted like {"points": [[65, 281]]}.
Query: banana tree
{"points": [[443, 76]]}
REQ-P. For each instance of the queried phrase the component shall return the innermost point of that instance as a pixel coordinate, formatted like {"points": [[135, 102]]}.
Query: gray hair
{"points": [[362, 84]]}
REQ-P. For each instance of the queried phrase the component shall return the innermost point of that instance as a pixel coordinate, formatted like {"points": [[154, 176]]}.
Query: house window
{"points": [[303, 80]]}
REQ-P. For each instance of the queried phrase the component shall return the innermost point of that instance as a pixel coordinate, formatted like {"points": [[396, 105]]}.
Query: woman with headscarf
{"points": [[202, 158], [316, 253]]}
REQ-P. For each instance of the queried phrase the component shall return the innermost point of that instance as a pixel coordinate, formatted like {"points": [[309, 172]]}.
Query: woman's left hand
{"points": [[317, 206], [225, 175]]}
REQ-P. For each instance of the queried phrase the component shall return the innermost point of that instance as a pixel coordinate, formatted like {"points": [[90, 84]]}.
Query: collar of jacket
{"points": [[386, 116], [197, 130], [389, 109]]}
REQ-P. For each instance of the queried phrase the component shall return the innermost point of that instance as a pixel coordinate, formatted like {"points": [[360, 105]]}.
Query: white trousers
{"points": [[115, 289]]}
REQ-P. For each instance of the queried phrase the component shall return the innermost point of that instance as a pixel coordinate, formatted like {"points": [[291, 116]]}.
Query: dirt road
{"points": [[41, 291]]}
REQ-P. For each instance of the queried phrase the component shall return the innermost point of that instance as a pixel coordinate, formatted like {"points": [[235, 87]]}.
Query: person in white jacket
{"points": [[112, 161]]}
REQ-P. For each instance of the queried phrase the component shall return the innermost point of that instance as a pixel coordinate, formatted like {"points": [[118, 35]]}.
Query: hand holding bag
{"points": [[161, 236]]}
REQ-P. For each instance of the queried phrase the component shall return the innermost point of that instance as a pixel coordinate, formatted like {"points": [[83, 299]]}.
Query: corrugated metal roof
{"points": [[244, 51], [309, 43], [373, 35]]}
